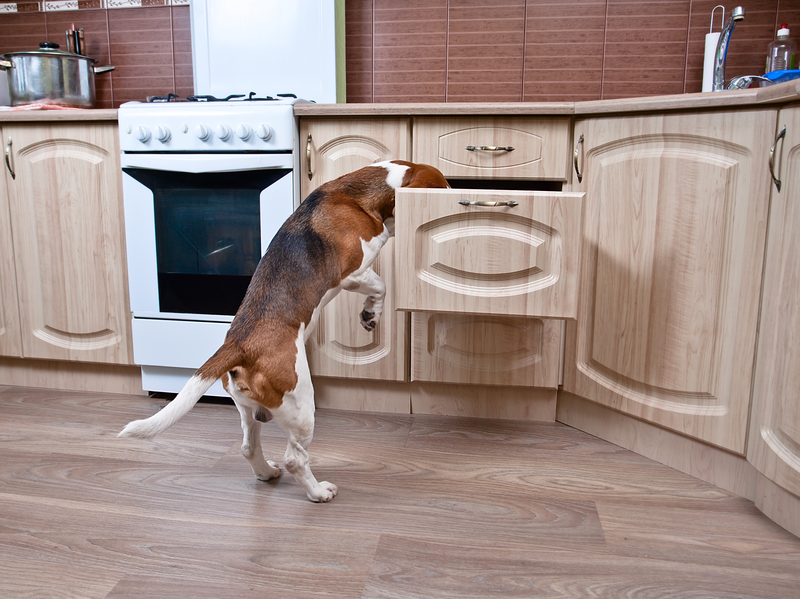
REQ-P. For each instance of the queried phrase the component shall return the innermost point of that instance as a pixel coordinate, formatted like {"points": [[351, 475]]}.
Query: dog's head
{"points": [[408, 174]]}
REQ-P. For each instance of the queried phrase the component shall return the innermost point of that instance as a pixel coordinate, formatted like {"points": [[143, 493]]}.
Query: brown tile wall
{"points": [[149, 46], [443, 50], [545, 50]]}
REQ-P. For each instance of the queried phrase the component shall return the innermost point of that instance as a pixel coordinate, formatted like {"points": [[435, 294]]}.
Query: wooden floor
{"points": [[428, 506]]}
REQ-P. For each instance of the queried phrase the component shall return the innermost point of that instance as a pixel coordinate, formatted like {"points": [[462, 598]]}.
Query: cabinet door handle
{"points": [[491, 148], [308, 157], [488, 204], [575, 158], [8, 159], [775, 180]]}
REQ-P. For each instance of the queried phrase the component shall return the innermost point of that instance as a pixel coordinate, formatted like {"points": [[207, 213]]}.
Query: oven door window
{"points": [[208, 236]]}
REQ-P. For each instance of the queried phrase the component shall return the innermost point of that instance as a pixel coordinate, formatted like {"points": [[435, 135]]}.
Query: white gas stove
{"points": [[206, 185]]}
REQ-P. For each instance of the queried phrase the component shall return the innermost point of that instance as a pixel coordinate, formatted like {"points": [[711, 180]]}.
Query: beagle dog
{"points": [[328, 244]]}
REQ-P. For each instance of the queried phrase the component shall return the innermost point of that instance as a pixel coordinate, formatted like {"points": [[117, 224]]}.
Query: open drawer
{"points": [[513, 253]]}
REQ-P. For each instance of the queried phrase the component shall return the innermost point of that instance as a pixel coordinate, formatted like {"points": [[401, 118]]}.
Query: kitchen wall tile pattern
{"points": [[545, 50], [147, 41], [435, 50]]}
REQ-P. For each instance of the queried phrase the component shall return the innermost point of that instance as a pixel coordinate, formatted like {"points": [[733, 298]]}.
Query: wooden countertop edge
{"points": [[99, 114], [441, 109], [743, 98]]}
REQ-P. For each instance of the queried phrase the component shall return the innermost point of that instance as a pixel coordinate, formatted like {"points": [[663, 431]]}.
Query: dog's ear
{"points": [[424, 175]]}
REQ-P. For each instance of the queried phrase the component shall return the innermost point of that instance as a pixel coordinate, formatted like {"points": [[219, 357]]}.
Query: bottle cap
{"points": [[784, 30]]}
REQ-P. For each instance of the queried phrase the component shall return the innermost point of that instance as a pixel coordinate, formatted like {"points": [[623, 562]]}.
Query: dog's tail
{"points": [[221, 362]]}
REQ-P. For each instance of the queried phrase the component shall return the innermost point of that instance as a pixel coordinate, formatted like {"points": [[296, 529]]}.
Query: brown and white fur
{"points": [[328, 244]]}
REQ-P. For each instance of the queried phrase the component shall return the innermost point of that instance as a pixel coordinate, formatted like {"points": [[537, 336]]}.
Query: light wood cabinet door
{"points": [[502, 253], [340, 346], [485, 350], [774, 447], [66, 216], [494, 147], [10, 337], [673, 245]]}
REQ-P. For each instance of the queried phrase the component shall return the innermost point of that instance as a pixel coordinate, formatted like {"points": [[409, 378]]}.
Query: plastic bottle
{"points": [[782, 52]]}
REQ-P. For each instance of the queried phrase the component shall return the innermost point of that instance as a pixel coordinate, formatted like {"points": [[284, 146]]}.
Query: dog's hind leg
{"points": [[296, 417], [251, 445]]}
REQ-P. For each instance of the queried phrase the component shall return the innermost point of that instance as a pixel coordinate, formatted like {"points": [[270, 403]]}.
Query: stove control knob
{"points": [[142, 134], [163, 134], [264, 132], [244, 132], [224, 132], [202, 132]]}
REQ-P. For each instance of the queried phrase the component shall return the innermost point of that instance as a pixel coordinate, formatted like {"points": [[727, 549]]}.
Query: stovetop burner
{"points": [[251, 97]]}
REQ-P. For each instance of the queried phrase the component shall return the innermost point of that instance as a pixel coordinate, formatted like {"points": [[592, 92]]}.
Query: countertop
{"points": [[13, 116], [775, 94], [781, 93]]}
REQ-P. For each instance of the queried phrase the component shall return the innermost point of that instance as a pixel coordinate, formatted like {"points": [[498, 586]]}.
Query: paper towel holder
{"points": [[721, 23]]}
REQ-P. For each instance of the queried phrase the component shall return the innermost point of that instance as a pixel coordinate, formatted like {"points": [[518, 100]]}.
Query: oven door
{"points": [[196, 226]]}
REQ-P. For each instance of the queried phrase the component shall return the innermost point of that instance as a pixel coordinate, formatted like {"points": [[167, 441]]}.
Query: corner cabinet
{"points": [[673, 248], [340, 346], [774, 447], [62, 215]]}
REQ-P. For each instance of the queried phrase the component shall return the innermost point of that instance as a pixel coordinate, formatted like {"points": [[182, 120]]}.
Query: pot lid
{"points": [[48, 49]]}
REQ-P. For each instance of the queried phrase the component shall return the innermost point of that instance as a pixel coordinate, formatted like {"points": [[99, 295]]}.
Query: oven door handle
{"points": [[207, 163]]}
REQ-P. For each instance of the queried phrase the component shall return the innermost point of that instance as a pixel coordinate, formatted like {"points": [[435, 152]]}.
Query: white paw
{"points": [[271, 471], [324, 492]]}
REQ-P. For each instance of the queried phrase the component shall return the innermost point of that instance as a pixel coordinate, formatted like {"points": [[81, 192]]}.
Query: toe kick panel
{"points": [[512, 253]]}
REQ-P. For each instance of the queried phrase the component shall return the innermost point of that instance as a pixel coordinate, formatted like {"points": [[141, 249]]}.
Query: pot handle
{"points": [[6, 64], [102, 69]]}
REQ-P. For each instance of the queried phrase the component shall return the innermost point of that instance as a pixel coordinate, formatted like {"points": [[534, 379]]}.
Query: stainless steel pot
{"points": [[51, 76]]}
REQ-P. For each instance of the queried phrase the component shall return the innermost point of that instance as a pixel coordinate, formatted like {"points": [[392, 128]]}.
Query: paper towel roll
{"points": [[708, 61]]}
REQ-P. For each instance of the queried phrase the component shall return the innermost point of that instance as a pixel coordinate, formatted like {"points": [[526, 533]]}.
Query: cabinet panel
{"points": [[68, 242], [774, 447], [10, 337], [340, 346], [467, 254], [335, 147], [671, 267], [501, 147], [485, 350]]}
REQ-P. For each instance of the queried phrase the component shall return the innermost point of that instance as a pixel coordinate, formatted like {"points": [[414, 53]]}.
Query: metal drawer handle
{"points": [[8, 159], [491, 148], [488, 204], [575, 158], [775, 180], [308, 157]]}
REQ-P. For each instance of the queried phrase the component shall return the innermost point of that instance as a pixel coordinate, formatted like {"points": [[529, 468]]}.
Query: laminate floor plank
{"points": [[428, 506], [662, 534], [405, 568], [251, 550]]}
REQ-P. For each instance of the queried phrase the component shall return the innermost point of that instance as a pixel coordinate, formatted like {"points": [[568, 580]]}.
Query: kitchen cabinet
{"points": [[10, 334], [673, 247], [494, 148], [774, 447], [485, 350], [340, 346], [64, 206]]}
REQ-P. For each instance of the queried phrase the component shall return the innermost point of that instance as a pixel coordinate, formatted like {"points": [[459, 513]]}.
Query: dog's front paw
{"points": [[324, 492], [369, 320]]}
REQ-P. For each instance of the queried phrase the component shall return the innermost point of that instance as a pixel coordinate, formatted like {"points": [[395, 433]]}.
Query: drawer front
{"points": [[485, 350], [494, 148], [480, 258]]}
